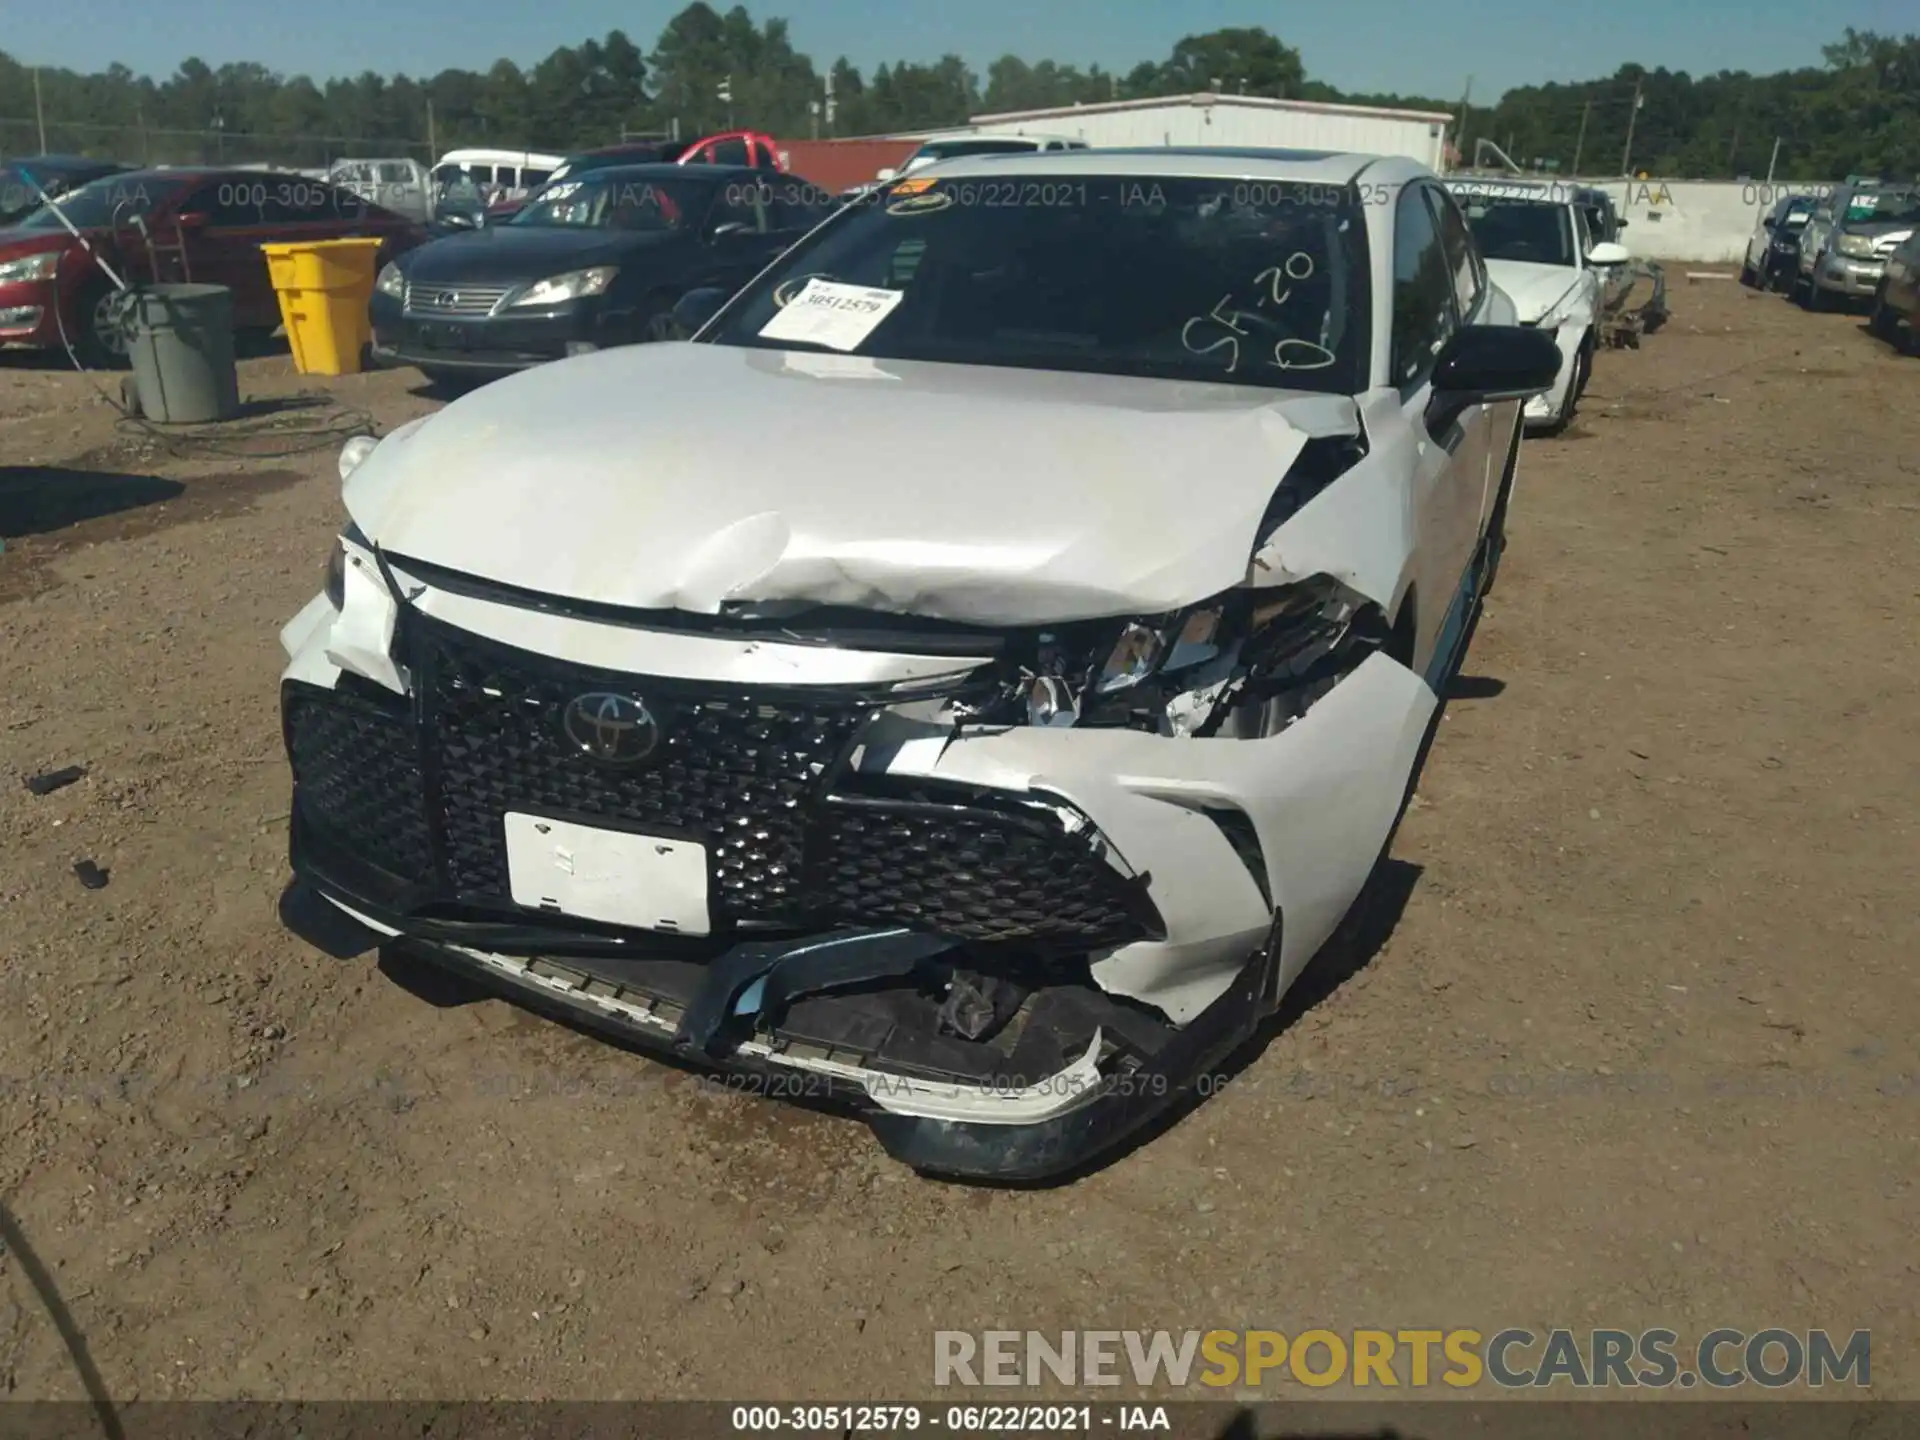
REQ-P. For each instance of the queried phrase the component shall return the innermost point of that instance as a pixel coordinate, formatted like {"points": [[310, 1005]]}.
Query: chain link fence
{"points": [[139, 144]]}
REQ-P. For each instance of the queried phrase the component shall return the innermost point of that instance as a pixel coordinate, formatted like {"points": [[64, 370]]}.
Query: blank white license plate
{"points": [[612, 876]]}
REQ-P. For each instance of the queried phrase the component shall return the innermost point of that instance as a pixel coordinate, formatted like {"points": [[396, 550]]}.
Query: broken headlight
{"points": [[1181, 674]]}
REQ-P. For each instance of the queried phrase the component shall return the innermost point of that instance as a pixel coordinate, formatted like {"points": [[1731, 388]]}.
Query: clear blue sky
{"points": [[1368, 45]]}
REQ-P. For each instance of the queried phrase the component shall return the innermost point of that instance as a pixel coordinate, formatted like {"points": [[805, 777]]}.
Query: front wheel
{"points": [[98, 333], [1882, 322], [454, 382]]}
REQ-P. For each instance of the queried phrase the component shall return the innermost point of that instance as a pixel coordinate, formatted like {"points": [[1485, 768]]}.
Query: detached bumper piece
{"points": [[853, 1022]]}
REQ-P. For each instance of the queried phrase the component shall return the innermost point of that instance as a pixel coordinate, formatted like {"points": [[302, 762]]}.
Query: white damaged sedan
{"points": [[1543, 257], [971, 679]]}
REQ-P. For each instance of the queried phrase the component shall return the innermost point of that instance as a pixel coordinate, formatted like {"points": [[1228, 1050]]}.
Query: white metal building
{"points": [[1239, 120]]}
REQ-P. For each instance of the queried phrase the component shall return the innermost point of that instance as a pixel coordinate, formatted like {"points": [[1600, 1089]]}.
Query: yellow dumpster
{"points": [[324, 288]]}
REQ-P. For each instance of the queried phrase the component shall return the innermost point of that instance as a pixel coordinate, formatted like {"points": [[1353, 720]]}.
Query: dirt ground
{"points": [[1636, 1048]]}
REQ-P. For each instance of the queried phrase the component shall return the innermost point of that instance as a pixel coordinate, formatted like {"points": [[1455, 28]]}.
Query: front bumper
{"points": [[1856, 279], [1142, 888], [491, 345], [1053, 1125], [26, 314], [1546, 409]]}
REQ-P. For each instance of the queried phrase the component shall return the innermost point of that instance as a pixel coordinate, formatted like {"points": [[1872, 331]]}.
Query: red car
{"points": [[732, 147], [201, 225]]}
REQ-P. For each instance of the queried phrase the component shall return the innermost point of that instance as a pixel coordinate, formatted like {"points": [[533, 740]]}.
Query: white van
{"points": [[494, 174]]}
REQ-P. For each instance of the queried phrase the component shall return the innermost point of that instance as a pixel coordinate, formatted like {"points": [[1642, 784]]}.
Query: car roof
{"points": [[1526, 191], [1197, 162], [61, 162], [667, 170]]}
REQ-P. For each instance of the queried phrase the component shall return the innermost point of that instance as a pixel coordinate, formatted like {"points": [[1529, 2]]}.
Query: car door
{"points": [[402, 189], [225, 222], [736, 237], [1449, 468], [1487, 429]]}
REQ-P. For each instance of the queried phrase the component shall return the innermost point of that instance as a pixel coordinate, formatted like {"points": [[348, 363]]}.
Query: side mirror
{"points": [[1482, 364], [886, 174], [1766, 222], [1608, 253], [693, 309], [1620, 224]]}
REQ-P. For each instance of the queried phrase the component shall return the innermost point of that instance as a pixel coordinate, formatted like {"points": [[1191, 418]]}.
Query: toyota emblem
{"points": [[612, 729]]}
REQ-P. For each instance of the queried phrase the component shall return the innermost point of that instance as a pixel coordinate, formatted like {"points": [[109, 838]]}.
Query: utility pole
{"points": [[1734, 148], [433, 146], [1773, 159], [1465, 96], [829, 104], [1633, 115], [1579, 145], [39, 116], [725, 91]]}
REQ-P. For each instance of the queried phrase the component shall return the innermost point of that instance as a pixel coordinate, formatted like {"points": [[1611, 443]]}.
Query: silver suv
{"points": [[1845, 246]]}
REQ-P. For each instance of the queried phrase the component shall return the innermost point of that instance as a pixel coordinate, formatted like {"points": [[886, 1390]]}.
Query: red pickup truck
{"points": [[731, 147]]}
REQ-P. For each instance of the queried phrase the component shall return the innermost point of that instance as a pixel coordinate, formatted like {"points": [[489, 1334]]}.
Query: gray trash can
{"points": [[180, 342]]}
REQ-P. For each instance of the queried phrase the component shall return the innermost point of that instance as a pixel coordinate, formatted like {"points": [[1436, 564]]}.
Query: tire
{"points": [[1750, 277], [99, 344], [1881, 321], [457, 382], [656, 325], [1582, 372], [1817, 300]]}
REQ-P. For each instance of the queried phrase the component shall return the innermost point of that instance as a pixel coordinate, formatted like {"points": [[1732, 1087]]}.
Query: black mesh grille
{"points": [[746, 775], [732, 773], [973, 873], [358, 771]]}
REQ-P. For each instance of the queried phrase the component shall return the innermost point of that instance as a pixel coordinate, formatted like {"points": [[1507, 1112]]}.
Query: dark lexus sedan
{"points": [[586, 264]]}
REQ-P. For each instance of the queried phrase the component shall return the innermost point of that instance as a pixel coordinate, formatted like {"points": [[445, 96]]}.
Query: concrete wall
{"points": [[1235, 120], [1701, 221]]}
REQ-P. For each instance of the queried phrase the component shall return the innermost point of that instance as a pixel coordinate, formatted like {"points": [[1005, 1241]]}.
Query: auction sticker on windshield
{"points": [[831, 314]]}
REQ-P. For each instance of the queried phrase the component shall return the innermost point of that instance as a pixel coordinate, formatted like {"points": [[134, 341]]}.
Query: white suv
{"points": [[955, 147], [1540, 252]]}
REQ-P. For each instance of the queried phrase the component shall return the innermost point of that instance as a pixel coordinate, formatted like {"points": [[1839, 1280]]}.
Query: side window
{"points": [[303, 202], [1423, 303], [736, 205], [729, 152], [796, 215], [534, 179], [235, 200], [1457, 241]]}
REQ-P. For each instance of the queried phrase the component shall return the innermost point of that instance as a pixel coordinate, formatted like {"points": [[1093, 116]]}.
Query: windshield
{"points": [[951, 149], [1534, 231], [115, 199], [613, 204], [1247, 283], [1884, 205]]}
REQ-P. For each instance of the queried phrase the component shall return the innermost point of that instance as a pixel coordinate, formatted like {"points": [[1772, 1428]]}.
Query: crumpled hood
{"points": [[1534, 289], [680, 476]]}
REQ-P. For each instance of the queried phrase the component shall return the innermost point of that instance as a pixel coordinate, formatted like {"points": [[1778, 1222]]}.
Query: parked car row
{"points": [[587, 263], [1833, 249], [198, 224], [994, 750]]}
